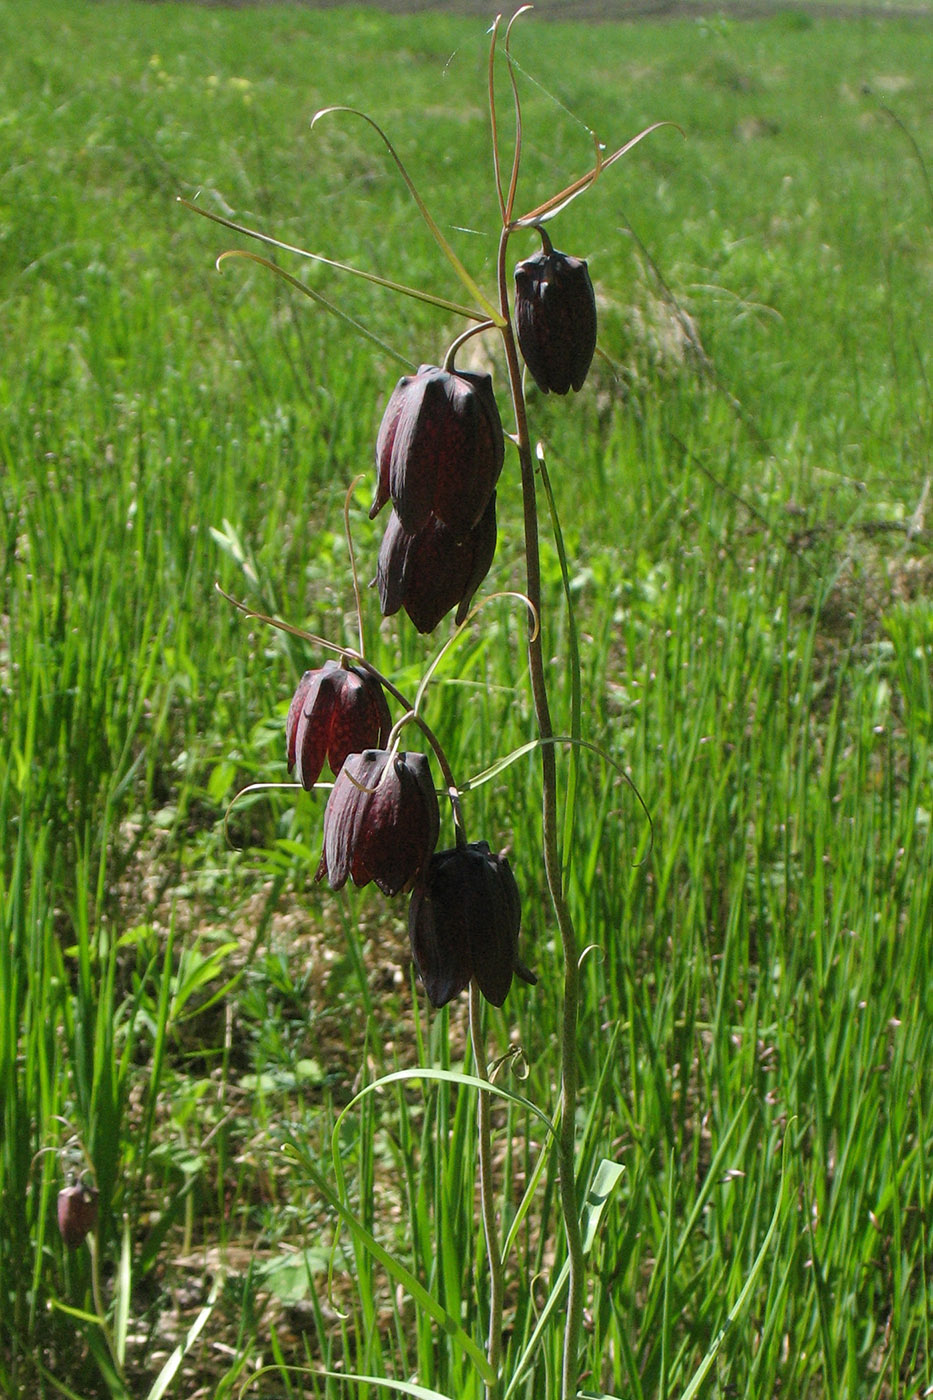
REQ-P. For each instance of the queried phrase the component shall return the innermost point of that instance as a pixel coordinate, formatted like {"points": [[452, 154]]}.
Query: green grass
{"points": [[743, 489]]}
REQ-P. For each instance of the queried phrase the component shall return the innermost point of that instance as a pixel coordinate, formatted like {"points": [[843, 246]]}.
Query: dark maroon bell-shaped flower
{"points": [[555, 315], [440, 449], [463, 922], [428, 572], [77, 1213], [381, 821], [335, 711]]}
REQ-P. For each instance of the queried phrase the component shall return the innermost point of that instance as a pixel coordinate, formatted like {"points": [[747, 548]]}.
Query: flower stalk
{"points": [[566, 1141]]}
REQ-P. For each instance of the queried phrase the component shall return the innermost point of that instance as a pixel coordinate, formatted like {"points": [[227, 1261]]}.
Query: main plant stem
{"points": [[566, 1140]]}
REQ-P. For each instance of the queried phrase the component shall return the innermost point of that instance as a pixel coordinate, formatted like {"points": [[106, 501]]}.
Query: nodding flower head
{"points": [[428, 572], [463, 922], [440, 449], [77, 1213], [336, 710], [555, 315], [381, 822]]}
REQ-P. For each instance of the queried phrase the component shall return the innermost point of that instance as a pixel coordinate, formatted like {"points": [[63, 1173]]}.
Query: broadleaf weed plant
{"points": [[440, 450]]}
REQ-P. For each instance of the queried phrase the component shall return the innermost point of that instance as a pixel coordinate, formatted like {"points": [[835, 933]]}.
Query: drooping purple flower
{"points": [[440, 449], [555, 316], [336, 710], [381, 822], [77, 1213], [463, 922], [428, 572]]}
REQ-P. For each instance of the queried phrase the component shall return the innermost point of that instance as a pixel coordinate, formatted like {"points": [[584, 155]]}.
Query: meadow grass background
{"points": [[744, 488]]}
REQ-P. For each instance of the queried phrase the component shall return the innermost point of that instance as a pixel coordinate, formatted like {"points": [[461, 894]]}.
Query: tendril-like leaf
{"points": [[517, 156], [493, 120], [489, 311], [558, 202], [316, 297], [292, 631], [257, 787], [451, 641], [501, 764], [402, 288]]}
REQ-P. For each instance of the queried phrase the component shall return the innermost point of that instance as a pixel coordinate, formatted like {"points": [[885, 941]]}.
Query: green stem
{"points": [[487, 1196], [99, 1308], [566, 1142], [466, 335]]}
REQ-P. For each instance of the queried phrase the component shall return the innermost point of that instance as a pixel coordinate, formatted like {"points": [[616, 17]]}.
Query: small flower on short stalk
{"points": [[336, 710], [429, 573], [381, 822], [463, 922], [555, 316], [77, 1213], [440, 449]]}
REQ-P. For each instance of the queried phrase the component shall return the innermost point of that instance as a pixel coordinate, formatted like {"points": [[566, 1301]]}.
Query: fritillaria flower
{"points": [[440, 449], [381, 822], [555, 316], [336, 710], [463, 922], [428, 572], [77, 1213]]}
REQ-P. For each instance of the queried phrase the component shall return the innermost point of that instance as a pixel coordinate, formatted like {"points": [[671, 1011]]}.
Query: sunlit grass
{"points": [[744, 493]]}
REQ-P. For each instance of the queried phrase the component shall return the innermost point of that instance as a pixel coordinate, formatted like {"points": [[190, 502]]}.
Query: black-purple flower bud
{"points": [[336, 710], [428, 572], [381, 822], [555, 316], [440, 449], [77, 1213], [463, 922]]}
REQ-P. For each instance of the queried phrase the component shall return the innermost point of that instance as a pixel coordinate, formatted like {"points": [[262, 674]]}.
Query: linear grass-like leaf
{"points": [[79, 1314], [123, 1289], [418, 1392], [56, 1384], [398, 1271], [524, 1204], [737, 1307], [605, 1180], [165, 1377]]}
